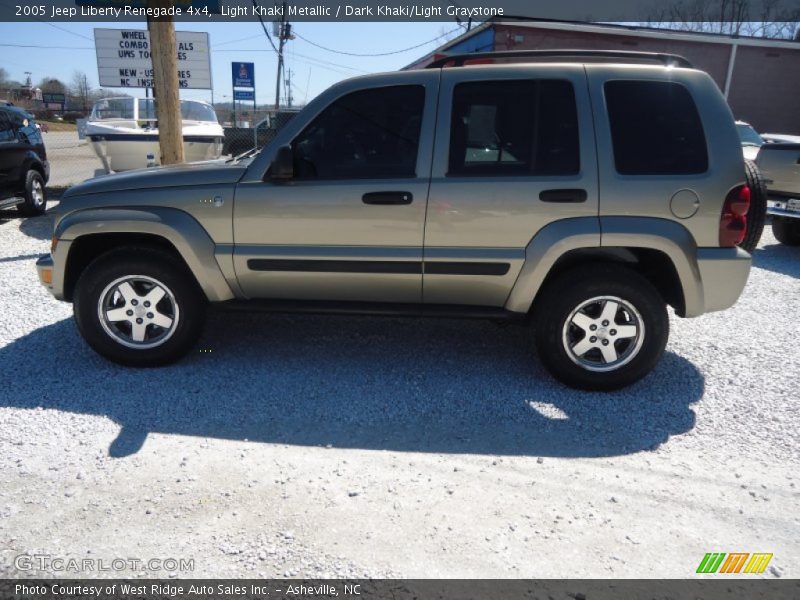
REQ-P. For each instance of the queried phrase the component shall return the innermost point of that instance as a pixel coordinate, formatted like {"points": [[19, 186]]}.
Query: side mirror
{"points": [[283, 165]]}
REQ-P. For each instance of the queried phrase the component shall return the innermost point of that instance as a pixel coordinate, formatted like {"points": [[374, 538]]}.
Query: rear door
{"points": [[12, 154], [514, 152]]}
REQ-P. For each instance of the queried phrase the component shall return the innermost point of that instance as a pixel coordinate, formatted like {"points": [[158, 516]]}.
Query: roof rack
{"points": [[458, 60]]}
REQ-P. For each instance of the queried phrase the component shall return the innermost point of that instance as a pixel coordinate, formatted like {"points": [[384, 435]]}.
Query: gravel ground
{"points": [[341, 446]]}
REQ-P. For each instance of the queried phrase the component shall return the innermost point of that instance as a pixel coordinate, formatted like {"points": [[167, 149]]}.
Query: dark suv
{"points": [[24, 168]]}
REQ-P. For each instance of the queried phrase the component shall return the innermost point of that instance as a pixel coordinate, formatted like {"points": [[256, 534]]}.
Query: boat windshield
{"points": [[190, 111], [112, 108], [748, 135]]}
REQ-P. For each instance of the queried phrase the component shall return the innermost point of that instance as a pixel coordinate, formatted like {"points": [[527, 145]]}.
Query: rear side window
{"points": [[515, 127], [655, 129]]}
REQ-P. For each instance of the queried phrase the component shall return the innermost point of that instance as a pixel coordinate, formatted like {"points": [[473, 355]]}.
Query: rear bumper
{"points": [[777, 206], [723, 275]]}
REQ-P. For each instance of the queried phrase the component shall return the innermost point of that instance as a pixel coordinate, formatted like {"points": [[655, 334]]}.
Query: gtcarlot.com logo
{"points": [[49, 563], [734, 562]]}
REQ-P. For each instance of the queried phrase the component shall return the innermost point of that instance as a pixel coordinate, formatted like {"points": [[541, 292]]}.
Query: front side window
{"points": [[516, 127], [6, 132], [655, 128], [370, 134]]}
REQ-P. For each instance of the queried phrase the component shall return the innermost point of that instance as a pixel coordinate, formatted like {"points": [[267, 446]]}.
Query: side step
{"points": [[9, 202], [386, 309]]}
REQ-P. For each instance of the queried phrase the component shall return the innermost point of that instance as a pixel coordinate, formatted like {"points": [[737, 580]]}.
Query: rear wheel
{"points": [[757, 213], [786, 230], [139, 308], [35, 202], [601, 327]]}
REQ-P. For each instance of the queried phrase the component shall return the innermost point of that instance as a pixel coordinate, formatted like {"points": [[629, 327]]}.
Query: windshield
{"points": [[748, 135], [190, 111], [112, 108]]}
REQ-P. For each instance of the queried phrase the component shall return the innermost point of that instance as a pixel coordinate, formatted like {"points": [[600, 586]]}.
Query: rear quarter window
{"points": [[655, 128]]}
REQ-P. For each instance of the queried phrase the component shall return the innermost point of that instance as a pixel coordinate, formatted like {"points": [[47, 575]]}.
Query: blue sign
{"points": [[243, 74], [244, 95]]}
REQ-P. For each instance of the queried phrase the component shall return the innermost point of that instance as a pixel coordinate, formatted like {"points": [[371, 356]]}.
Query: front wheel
{"points": [[138, 308], [35, 202], [600, 328], [786, 230]]}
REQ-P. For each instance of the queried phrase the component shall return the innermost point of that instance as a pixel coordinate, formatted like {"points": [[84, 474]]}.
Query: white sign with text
{"points": [[123, 58]]}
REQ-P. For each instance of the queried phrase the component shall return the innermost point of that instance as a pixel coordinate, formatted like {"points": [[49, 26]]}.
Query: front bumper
{"points": [[778, 206], [44, 266], [723, 272]]}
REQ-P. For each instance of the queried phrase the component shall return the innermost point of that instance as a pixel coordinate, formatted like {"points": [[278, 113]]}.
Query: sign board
{"points": [[123, 59], [54, 98], [244, 95], [243, 74]]}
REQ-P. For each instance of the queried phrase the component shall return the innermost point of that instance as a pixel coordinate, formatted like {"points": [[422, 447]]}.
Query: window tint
{"points": [[655, 128], [365, 135], [514, 128], [6, 133]]}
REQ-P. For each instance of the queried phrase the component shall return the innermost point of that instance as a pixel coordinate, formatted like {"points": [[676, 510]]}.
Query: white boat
{"points": [[124, 131]]}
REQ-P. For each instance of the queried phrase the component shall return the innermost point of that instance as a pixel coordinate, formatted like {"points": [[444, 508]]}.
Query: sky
{"points": [[70, 48]]}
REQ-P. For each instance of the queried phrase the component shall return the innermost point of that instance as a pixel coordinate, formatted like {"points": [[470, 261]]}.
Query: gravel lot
{"points": [[341, 446]]}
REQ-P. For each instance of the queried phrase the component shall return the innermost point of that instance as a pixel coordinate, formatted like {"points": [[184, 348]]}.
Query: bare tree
{"points": [[753, 18], [81, 89], [50, 85]]}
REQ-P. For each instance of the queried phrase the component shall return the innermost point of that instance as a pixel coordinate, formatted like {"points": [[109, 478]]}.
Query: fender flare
{"points": [[592, 233], [177, 227]]}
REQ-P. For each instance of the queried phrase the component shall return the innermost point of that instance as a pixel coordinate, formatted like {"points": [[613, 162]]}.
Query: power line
{"points": [[80, 35], [321, 47], [46, 47], [244, 39], [264, 27]]}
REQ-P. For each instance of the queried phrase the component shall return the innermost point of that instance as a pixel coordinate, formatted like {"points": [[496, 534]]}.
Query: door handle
{"points": [[565, 195], [387, 198]]}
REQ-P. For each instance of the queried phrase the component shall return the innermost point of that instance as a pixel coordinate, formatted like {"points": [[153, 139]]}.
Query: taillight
{"points": [[733, 221]]}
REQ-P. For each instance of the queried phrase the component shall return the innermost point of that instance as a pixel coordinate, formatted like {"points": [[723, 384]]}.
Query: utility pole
{"points": [[164, 54], [281, 39]]}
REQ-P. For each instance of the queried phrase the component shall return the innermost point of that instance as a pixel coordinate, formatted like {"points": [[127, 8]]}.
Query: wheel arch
{"points": [[88, 233], [662, 251]]}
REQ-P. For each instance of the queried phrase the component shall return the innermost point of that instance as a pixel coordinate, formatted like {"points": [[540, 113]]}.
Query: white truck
{"points": [[780, 165]]}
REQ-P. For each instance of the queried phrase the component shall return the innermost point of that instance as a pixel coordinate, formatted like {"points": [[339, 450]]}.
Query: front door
{"points": [[348, 226]]}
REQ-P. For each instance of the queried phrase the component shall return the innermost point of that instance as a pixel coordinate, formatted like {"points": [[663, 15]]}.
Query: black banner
{"points": [[402, 10], [423, 589]]}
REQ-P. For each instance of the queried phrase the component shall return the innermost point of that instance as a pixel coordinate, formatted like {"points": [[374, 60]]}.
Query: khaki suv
{"points": [[582, 192]]}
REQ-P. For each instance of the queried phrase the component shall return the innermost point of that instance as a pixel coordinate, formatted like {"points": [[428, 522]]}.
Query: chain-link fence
{"points": [[73, 158]]}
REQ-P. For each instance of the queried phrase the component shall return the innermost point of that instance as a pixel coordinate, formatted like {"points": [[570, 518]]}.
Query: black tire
{"points": [[554, 308], [786, 230], [182, 295], [757, 214], [35, 203]]}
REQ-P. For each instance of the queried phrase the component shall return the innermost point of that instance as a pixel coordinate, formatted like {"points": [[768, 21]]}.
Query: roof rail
{"points": [[458, 60]]}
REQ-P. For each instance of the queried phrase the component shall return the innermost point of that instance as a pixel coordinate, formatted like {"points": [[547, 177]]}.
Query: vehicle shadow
{"points": [[40, 228], [778, 258], [423, 385]]}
